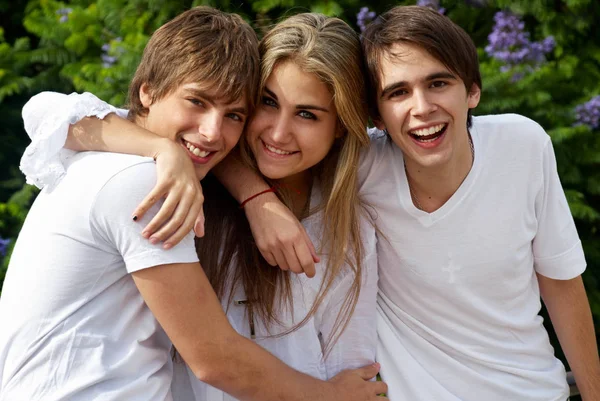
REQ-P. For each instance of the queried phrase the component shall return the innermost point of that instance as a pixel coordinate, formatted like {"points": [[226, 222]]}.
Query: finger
{"points": [[305, 258], [311, 248], [199, 224], [280, 259], [292, 259], [368, 372], [380, 387], [150, 200], [166, 221], [184, 229], [270, 258], [177, 219]]}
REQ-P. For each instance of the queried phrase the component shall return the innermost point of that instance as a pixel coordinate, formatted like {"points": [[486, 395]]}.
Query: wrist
{"points": [[265, 192], [157, 145], [255, 203]]}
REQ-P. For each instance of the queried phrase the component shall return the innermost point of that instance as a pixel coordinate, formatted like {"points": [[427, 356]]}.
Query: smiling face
{"points": [[294, 125], [424, 107], [203, 124]]}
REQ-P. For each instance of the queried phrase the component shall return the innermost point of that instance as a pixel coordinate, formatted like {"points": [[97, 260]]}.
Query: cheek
{"points": [[259, 122], [232, 136]]}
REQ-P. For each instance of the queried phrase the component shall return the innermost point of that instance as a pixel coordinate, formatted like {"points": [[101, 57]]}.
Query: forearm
{"points": [[571, 317], [113, 134], [248, 372], [240, 180]]}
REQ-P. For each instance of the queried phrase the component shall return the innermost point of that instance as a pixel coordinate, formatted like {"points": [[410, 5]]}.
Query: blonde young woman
{"points": [[305, 139]]}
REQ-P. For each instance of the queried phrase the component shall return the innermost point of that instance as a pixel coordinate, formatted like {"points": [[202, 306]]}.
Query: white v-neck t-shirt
{"points": [[458, 295]]}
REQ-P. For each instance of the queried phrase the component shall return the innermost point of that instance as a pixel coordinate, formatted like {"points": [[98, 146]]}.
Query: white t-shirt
{"points": [[74, 324], [458, 296], [303, 348]]}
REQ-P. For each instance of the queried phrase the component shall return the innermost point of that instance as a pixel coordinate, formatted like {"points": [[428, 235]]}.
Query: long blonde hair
{"points": [[330, 49]]}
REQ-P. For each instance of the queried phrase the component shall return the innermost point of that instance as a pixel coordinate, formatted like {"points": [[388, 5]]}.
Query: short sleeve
{"points": [[557, 249], [356, 346], [113, 227], [47, 117]]}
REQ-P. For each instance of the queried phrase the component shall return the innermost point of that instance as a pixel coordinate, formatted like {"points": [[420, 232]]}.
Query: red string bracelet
{"points": [[272, 189]]}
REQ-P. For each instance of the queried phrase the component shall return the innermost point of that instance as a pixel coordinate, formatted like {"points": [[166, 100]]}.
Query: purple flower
{"points": [[107, 60], [435, 4], [509, 43], [64, 14], [109, 54], [364, 17], [589, 113], [4, 246]]}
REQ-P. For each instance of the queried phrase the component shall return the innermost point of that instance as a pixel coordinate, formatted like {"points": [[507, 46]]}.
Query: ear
{"points": [[473, 96], [145, 95]]}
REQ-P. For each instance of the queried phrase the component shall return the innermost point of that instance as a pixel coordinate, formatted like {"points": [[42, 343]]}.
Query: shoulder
{"points": [[514, 128], [99, 172]]}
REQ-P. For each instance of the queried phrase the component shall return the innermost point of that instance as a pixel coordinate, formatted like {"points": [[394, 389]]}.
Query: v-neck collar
{"points": [[428, 219]]}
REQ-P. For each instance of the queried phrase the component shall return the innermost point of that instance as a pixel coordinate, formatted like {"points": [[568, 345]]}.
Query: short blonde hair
{"points": [[202, 45]]}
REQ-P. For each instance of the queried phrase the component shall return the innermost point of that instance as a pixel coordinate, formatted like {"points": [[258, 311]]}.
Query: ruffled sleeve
{"points": [[47, 117]]}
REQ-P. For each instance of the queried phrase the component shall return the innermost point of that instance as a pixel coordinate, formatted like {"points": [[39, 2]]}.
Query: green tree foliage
{"points": [[87, 45]]}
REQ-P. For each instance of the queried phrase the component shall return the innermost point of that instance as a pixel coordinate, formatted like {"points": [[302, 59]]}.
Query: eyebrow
{"points": [[431, 77], [298, 106], [211, 100]]}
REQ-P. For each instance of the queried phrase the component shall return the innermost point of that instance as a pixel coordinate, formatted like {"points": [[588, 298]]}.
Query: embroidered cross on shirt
{"points": [[451, 269]]}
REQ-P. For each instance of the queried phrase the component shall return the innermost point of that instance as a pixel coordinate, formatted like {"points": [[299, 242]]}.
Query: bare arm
{"points": [[182, 300], [279, 235], [50, 114], [571, 317]]}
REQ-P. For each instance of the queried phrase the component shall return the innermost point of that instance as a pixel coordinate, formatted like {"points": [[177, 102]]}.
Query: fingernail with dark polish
{"points": [[134, 218]]}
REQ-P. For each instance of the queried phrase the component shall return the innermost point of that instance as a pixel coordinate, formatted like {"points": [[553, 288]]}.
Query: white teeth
{"points": [[278, 151], [428, 131], [196, 151]]}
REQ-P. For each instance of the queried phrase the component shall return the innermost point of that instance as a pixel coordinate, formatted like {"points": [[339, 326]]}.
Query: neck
{"points": [[431, 187], [299, 187]]}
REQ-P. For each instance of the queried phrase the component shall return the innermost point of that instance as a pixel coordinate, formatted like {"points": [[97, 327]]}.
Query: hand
{"points": [[279, 236], [178, 184], [355, 384]]}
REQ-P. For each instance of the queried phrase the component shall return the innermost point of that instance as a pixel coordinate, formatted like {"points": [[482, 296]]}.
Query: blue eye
{"points": [[235, 117], [307, 115], [196, 102], [267, 101]]}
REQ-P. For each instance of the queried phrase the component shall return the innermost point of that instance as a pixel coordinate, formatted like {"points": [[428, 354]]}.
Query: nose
{"points": [[281, 128], [422, 103], [209, 126]]}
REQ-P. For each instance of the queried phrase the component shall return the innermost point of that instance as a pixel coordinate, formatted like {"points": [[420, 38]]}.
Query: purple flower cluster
{"points": [[64, 14], [108, 59], [589, 113], [435, 4], [510, 43], [364, 17], [4, 246]]}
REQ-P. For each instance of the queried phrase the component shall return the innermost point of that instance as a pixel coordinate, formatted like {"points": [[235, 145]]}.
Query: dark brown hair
{"points": [[425, 28], [201, 45]]}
